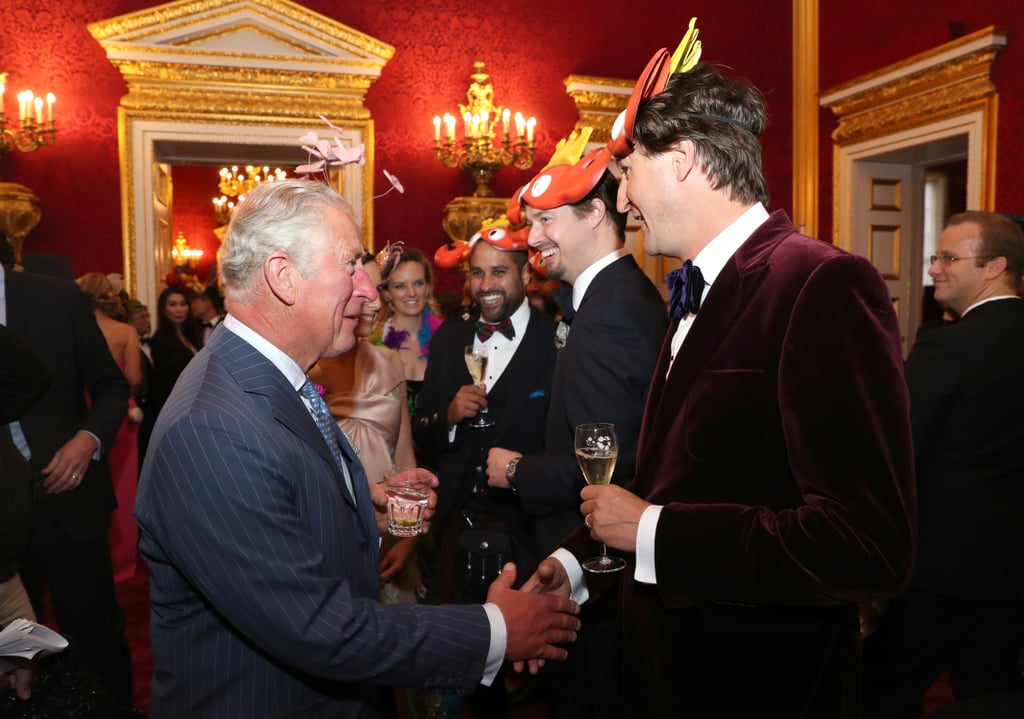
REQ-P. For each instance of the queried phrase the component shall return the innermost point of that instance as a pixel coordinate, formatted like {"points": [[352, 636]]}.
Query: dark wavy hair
{"points": [[723, 117]]}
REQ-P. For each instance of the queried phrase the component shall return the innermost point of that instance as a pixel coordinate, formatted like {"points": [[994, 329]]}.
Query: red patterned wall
{"points": [[529, 47]]}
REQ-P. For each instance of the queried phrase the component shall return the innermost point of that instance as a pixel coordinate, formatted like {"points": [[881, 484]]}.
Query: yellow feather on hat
{"points": [[570, 149]]}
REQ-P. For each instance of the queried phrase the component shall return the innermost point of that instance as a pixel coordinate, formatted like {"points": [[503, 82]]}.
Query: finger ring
{"points": [[586, 521]]}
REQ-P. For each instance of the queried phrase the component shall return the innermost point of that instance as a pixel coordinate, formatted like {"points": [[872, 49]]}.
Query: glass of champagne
{"points": [[476, 363], [597, 448]]}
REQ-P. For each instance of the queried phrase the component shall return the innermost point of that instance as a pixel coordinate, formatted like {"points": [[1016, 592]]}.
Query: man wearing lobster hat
{"points": [[774, 481], [602, 375], [480, 528]]}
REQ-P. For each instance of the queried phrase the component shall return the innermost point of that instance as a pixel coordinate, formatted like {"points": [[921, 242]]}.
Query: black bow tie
{"points": [[208, 325], [484, 330], [685, 287]]}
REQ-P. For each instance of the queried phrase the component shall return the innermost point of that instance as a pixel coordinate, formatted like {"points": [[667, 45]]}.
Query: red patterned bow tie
{"points": [[484, 330]]}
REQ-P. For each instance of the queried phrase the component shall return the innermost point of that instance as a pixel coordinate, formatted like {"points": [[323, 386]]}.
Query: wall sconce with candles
{"points": [[235, 183], [478, 154], [31, 132], [19, 207]]}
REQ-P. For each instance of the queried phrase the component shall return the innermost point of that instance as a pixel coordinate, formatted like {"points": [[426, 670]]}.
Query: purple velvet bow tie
{"points": [[685, 287], [484, 330]]}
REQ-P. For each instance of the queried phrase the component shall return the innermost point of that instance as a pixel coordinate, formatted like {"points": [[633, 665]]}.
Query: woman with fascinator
{"points": [[411, 313]]}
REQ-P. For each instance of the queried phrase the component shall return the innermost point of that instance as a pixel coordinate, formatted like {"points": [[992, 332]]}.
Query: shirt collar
{"points": [[579, 287], [989, 299], [287, 366], [711, 260], [521, 318]]}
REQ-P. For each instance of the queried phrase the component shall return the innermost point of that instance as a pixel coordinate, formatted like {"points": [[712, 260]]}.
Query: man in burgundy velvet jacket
{"points": [[774, 482]]}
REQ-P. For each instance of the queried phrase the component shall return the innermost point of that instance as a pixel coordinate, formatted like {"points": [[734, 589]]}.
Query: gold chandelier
{"points": [[235, 183], [31, 132], [478, 153], [184, 256]]}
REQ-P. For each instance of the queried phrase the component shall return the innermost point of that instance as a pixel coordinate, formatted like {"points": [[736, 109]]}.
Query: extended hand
{"points": [[550, 578], [467, 403], [536, 623], [612, 514], [68, 466]]}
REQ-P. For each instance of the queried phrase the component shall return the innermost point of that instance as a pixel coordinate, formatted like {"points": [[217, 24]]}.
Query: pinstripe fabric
{"points": [[264, 572]]}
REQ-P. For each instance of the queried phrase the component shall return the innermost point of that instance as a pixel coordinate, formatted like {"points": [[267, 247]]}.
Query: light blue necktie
{"points": [[326, 425]]}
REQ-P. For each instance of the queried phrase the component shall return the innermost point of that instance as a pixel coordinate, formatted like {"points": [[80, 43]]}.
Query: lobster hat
{"points": [[653, 81], [566, 179], [495, 232]]}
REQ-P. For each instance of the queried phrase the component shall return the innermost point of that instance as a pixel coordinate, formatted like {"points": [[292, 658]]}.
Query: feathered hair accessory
{"points": [[567, 178], [653, 81], [323, 155]]}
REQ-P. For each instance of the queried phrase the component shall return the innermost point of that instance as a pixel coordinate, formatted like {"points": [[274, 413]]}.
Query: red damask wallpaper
{"points": [[529, 48]]}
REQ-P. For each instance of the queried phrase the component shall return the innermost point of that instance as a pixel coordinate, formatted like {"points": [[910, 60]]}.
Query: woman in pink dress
{"points": [[123, 341]]}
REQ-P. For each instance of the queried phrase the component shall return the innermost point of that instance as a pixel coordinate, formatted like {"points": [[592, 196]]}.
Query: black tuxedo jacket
{"points": [[24, 376], [51, 314], [966, 381], [601, 375], [518, 403]]}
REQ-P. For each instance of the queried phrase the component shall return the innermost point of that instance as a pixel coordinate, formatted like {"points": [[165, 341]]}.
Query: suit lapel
{"points": [[256, 374], [732, 291]]}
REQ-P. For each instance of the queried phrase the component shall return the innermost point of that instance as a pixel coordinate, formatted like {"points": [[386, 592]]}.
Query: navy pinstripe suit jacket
{"points": [[264, 571]]}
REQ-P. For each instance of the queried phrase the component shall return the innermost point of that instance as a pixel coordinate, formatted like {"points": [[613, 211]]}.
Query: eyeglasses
{"points": [[947, 259]]}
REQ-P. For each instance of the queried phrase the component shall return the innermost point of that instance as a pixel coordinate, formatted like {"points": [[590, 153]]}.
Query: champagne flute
{"points": [[597, 448], [476, 363]]}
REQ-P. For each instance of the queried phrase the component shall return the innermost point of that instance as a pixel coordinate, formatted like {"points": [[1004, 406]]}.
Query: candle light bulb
{"points": [[50, 99], [437, 129]]}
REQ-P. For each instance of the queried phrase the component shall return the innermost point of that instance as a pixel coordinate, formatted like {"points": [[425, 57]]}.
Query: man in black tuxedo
{"points": [[964, 610], [602, 374], [479, 528], [65, 438]]}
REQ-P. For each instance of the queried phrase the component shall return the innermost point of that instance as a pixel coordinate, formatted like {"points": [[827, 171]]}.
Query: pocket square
{"points": [[537, 393]]}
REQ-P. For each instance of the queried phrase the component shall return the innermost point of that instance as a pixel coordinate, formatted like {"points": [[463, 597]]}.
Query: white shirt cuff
{"points": [[578, 587], [499, 638], [646, 572]]}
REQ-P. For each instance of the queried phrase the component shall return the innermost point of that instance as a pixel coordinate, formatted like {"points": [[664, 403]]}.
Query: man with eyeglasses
{"points": [[964, 610]]}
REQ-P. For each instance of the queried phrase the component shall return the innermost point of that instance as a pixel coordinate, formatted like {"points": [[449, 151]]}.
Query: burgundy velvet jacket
{"points": [[779, 444]]}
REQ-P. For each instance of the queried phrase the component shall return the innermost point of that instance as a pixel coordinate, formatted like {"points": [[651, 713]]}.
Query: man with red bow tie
{"points": [[480, 528]]}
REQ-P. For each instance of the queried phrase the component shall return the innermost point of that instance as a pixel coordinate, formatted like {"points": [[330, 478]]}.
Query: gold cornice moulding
{"points": [[598, 101], [150, 22], [946, 81], [136, 72]]}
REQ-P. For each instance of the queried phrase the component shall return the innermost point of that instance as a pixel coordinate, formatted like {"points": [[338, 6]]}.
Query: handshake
{"points": [[539, 617]]}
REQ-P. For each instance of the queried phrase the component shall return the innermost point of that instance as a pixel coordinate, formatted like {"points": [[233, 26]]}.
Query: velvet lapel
{"points": [[731, 292]]}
